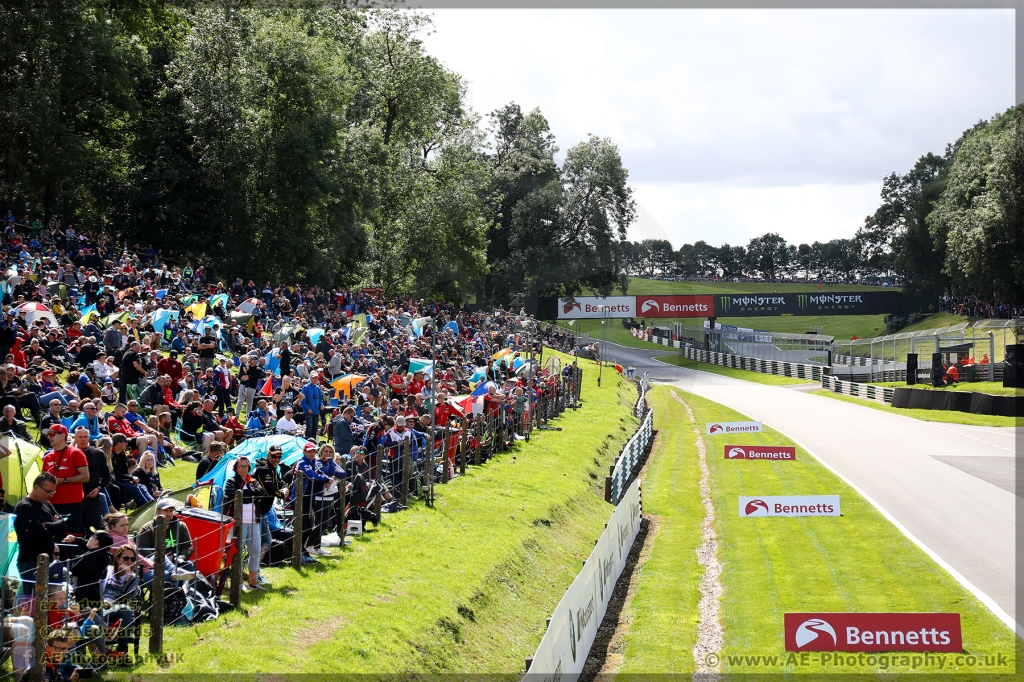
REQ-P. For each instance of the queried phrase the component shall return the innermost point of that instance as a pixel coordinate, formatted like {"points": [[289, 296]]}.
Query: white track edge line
{"points": [[989, 603]]}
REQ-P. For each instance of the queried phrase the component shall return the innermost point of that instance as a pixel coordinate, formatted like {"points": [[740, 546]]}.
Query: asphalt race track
{"points": [[950, 486]]}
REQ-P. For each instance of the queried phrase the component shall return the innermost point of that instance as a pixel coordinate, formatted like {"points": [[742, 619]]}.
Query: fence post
{"points": [[156, 614], [444, 454], [404, 489], [42, 606], [339, 515], [479, 437], [465, 446], [297, 522], [236, 563]]}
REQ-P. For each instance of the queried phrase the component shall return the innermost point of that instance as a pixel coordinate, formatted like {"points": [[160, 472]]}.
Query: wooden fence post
{"points": [[297, 522], [236, 563], [156, 614], [400, 462], [479, 437], [463, 454], [42, 621]]}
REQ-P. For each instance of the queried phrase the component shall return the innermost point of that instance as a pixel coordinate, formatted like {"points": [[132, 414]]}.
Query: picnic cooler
{"points": [[212, 538]]}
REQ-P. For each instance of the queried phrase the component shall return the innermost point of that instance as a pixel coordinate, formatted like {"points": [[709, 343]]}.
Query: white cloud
{"points": [[722, 213], [772, 100]]}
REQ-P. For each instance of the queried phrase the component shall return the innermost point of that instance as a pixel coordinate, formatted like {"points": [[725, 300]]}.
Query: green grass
{"points": [[990, 387], [856, 562], [745, 375], [945, 416], [462, 587], [663, 610]]}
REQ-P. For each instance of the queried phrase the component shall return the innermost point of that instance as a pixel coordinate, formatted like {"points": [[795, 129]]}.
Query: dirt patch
{"points": [[709, 627], [320, 631]]}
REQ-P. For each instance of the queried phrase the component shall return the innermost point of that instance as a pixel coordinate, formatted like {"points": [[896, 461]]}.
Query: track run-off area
{"points": [[927, 525]]}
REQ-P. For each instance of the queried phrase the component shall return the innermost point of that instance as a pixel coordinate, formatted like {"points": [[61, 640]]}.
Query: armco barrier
{"points": [[643, 385], [879, 394], [620, 472], [573, 626], [777, 367]]}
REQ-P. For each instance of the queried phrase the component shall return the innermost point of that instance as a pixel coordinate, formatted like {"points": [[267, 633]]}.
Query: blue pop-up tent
{"points": [[254, 449]]}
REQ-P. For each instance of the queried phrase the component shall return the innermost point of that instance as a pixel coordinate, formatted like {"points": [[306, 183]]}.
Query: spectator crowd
{"points": [[125, 363]]}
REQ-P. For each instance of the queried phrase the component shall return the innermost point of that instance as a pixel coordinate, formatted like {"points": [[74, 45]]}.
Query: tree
{"points": [[66, 106], [522, 162], [896, 238], [981, 211], [766, 255]]}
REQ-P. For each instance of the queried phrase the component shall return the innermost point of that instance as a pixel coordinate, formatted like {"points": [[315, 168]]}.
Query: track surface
{"points": [[951, 486]]}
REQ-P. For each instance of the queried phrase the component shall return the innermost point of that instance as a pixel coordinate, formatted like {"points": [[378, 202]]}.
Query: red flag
{"points": [[268, 388]]}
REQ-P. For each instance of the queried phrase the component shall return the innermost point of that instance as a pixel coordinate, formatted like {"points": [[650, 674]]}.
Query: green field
{"points": [[745, 375], [944, 416], [855, 562], [462, 587], [639, 285]]}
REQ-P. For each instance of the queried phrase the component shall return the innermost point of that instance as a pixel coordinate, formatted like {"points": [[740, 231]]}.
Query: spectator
{"points": [[70, 469]]}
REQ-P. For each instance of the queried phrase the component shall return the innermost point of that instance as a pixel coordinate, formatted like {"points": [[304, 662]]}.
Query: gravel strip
{"points": [[709, 629]]}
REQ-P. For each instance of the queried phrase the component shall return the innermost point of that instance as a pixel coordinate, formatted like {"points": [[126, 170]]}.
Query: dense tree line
{"points": [[953, 225], [313, 144], [767, 257]]}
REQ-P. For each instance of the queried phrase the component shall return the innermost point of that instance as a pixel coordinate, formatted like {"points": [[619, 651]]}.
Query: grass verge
{"points": [[945, 416], [857, 562], [745, 375], [462, 587], [663, 610], [990, 387]]}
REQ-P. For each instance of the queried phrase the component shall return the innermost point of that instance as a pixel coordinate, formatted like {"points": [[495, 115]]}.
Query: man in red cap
{"points": [[70, 466]]}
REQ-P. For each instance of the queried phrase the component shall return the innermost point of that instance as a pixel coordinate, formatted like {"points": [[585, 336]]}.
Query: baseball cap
{"points": [[168, 503], [309, 446], [399, 420], [58, 428]]}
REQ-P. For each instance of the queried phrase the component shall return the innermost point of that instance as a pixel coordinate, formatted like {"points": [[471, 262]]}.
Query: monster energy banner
{"points": [[823, 303]]}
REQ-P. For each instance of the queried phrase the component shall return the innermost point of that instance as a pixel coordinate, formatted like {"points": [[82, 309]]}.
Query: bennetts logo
{"points": [[789, 505], [757, 508], [810, 629], [772, 452], [873, 632], [648, 305]]}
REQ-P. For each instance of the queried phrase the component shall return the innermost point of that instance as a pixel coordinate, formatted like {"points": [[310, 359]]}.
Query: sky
{"points": [[733, 123]]}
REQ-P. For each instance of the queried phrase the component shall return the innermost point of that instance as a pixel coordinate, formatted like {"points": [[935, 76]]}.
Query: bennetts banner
{"points": [[737, 305]]}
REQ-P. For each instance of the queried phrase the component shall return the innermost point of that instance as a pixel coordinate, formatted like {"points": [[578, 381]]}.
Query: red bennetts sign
{"points": [[675, 306], [759, 452], [928, 632]]}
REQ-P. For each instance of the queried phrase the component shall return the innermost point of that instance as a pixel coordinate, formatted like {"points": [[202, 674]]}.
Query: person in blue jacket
{"points": [[311, 403], [312, 479]]}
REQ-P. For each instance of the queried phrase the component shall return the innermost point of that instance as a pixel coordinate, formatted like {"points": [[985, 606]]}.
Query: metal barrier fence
{"points": [[621, 471], [884, 355], [879, 394], [779, 368]]}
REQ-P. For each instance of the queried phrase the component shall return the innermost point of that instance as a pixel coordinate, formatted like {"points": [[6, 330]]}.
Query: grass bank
{"points": [[945, 416], [990, 387], [857, 562], [745, 375], [462, 587]]}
